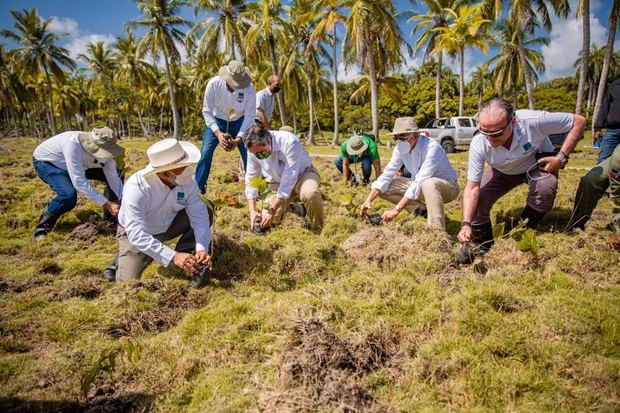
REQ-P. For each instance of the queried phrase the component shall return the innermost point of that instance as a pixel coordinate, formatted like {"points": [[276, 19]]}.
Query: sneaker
{"points": [[421, 213], [298, 209], [110, 274], [200, 278]]}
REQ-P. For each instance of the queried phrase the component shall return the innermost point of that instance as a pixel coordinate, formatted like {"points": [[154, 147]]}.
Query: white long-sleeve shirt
{"points": [[426, 160], [65, 151], [530, 135], [149, 207], [219, 103], [264, 101], [287, 162]]}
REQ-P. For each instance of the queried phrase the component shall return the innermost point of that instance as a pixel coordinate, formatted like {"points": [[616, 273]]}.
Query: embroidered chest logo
{"points": [[240, 97], [180, 196], [527, 146]]}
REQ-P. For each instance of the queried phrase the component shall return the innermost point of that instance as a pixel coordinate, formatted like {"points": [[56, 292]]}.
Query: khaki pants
{"points": [[132, 262], [435, 192], [307, 191]]}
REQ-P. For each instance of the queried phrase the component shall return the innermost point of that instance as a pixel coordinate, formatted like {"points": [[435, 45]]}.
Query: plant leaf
{"points": [[498, 230]]}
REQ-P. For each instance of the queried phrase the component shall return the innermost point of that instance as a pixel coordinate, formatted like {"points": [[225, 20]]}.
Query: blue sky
{"points": [[101, 20]]}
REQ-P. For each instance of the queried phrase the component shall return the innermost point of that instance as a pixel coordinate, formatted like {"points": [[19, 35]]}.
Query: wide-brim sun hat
{"points": [[101, 143], [404, 125], [356, 145], [235, 74], [170, 154]]}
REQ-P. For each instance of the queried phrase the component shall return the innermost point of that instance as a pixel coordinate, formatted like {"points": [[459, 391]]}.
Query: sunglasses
{"points": [[496, 133], [404, 137]]}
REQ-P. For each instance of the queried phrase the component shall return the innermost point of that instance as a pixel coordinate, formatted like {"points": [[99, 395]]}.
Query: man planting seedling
{"points": [[358, 149], [285, 164]]}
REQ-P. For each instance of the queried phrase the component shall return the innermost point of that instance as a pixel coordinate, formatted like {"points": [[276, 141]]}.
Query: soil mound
{"points": [[381, 247], [89, 230]]}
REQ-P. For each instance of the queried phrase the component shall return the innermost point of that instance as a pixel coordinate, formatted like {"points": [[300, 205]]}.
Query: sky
{"points": [[102, 20]]}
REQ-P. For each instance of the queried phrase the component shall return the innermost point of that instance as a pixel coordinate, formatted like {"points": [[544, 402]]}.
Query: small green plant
{"points": [[262, 186], [525, 237], [106, 362], [348, 201]]}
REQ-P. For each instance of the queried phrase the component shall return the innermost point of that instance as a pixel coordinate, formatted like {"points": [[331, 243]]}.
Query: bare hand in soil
{"points": [[186, 262], [254, 216], [203, 259], [112, 208], [266, 220], [364, 208], [389, 215], [464, 234], [224, 140]]}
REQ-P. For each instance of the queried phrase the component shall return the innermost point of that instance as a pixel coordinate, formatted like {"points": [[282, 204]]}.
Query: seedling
{"points": [[262, 187], [230, 114]]}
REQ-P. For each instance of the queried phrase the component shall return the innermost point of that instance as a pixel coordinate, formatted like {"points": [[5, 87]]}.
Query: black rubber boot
{"points": [[482, 235], [533, 217], [110, 272], [46, 224]]}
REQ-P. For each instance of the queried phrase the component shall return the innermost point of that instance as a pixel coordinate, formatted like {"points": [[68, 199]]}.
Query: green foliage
{"points": [[524, 237]]}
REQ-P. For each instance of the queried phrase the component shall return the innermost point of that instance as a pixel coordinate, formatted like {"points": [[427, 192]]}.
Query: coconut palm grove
{"points": [[339, 252]]}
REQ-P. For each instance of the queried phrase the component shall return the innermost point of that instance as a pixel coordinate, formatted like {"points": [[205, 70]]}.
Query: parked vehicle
{"points": [[452, 132]]}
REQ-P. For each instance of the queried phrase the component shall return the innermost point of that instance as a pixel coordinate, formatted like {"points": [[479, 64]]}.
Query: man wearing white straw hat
{"points": [[229, 109], [66, 162], [161, 202], [433, 179]]}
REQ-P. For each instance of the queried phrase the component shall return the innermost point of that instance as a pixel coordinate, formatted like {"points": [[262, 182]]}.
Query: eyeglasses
{"points": [[496, 133], [404, 137]]}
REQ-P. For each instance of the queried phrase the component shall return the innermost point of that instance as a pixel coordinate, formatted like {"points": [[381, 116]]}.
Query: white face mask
{"points": [[403, 146], [184, 177]]}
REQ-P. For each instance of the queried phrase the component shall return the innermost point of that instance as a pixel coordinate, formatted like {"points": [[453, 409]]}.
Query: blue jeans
{"points": [[611, 139], [365, 160], [66, 195], [209, 143]]}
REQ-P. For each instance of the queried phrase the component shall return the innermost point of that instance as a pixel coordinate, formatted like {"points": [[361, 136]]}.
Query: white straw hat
{"points": [[356, 145], [404, 125], [170, 154]]}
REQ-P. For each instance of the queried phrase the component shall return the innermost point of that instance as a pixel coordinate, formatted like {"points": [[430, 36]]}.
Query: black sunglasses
{"points": [[496, 133], [403, 137]]}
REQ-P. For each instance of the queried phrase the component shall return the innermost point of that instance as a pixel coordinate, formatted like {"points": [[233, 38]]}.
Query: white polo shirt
{"points": [[65, 151], [426, 160], [149, 207], [287, 162], [264, 101], [219, 102], [530, 135]]}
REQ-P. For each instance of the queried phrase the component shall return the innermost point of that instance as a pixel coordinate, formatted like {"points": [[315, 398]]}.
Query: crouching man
{"points": [[285, 164], [160, 203], [432, 183], [66, 162], [517, 148]]}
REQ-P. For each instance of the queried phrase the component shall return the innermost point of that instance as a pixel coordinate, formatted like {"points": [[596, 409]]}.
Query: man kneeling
{"points": [[283, 161], [161, 202], [432, 183]]}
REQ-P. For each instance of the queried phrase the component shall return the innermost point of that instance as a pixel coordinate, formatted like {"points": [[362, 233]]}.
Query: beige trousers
{"points": [[435, 192], [307, 191]]}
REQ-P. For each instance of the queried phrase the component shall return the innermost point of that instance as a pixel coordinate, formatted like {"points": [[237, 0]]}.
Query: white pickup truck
{"points": [[451, 132]]}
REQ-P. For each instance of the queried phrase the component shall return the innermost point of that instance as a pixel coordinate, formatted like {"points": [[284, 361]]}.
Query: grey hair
{"points": [[257, 134], [272, 79], [497, 106]]}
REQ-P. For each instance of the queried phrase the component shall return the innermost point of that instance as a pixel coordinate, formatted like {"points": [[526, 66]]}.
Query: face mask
{"points": [[184, 177], [275, 90], [403, 146], [262, 155]]}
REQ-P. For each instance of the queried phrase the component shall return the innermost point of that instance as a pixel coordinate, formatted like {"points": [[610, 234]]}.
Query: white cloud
{"points": [[565, 45], [349, 74], [77, 41], [66, 25]]}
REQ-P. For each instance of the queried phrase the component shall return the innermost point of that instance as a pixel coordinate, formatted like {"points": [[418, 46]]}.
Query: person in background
{"points": [[265, 100], [358, 149], [609, 118]]}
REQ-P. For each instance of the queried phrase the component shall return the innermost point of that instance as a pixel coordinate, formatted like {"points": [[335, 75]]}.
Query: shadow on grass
{"points": [[555, 220], [133, 402]]}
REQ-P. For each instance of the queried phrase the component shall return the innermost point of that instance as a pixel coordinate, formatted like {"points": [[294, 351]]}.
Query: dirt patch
{"points": [[86, 288], [382, 248], [91, 230], [173, 301], [330, 368], [20, 286]]}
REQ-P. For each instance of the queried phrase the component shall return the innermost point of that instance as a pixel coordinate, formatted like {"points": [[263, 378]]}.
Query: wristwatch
{"points": [[563, 159], [397, 208]]}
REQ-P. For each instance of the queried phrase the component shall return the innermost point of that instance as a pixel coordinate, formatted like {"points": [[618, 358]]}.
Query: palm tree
{"points": [[222, 24], [613, 25], [38, 51], [100, 60], [328, 16], [528, 15], [373, 39], [466, 29], [480, 82], [583, 10], [268, 30], [435, 17], [508, 67], [162, 22]]}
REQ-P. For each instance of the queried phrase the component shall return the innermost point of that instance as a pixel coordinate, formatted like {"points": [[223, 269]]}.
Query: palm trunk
{"points": [[145, 131], [438, 86], [173, 103], [274, 68], [374, 109], [462, 82], [585, 54], [527, 74], [600, 94], [294, 118], [50, 101], [335, 141], [590, 94], [310, 138]]}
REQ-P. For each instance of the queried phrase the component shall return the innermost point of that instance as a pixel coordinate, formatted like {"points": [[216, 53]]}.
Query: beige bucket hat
{"points": [[286, 128], [404, 125], [356, 145], [101, 143], [235, 74], [170, 154]]}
